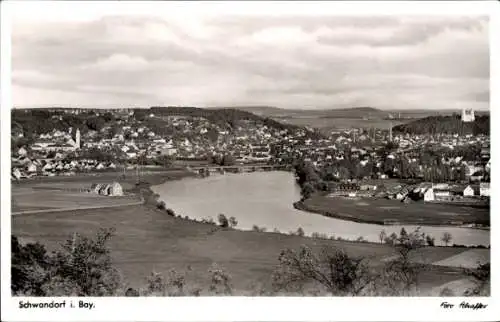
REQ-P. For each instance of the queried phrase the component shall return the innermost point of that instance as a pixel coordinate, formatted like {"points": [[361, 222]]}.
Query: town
{"points": [[352, 162]]}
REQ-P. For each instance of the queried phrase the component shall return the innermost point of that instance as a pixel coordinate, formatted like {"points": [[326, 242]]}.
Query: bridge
{"points": [[240, 168]]}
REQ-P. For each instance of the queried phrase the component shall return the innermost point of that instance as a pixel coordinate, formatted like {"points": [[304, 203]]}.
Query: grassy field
{"points": [[64, 192], [379, 210], [29, 199], [148, 240]]}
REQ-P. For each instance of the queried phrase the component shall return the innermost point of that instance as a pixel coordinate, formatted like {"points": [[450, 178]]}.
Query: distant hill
{"points": [[221, 116], [275, 112], [258, 110], [451, 124], [30, 122], [355, 112]]}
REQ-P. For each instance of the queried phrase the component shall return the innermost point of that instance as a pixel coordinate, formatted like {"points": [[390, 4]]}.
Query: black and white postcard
{"points": [[230, 161]]}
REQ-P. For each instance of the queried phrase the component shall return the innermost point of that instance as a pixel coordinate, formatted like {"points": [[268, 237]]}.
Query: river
{"points": [[266, 199]]}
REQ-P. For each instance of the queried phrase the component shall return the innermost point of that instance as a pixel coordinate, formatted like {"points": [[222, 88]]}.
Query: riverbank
{"points": [[148, 239], [389, 212], [65, 193]]}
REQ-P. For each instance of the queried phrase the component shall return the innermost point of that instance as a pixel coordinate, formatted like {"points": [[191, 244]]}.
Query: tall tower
{"points": [[468, 115], [77, 138], [390, 132]]}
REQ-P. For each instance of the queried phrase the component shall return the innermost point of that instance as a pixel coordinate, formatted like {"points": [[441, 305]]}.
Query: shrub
{"points": [[161, 205], [82, 267], [220, 283], [155, 285], [429, 240], [401, 275], [482, 277], [223, 222], [131, 292], [361, 239], [445, 292], [232, 222], [29, 269], [170, 212], [334, 270], [258, 229]]}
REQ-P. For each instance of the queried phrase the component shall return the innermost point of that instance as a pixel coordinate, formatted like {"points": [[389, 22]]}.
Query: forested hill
{"points": [[40, 120], [221, 116], [446, 124]]}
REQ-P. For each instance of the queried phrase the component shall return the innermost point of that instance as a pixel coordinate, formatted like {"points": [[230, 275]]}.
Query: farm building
{"points": [[368, 187], [429, 195], [106, 189], [484, 189], [402, 194], [442, 194], [344, 189]]}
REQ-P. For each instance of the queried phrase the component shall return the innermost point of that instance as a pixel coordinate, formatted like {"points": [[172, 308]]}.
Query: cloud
{"points": [[286, 61]]}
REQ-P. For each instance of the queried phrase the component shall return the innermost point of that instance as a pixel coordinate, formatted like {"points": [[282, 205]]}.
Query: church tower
{"points": [[390, 132], [77, 139], [468, 115]]}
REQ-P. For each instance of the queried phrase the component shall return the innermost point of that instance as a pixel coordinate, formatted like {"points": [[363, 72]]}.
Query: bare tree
{"points": [[382, 236], [446, 238], [334, 270]]}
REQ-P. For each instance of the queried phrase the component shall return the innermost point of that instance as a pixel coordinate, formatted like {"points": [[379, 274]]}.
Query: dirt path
{"points": [[30, 212]]}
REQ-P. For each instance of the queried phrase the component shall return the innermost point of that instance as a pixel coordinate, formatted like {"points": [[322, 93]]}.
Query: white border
{"points": [[237, 308]]}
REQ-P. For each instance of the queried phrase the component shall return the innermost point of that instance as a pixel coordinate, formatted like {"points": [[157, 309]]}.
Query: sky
{"points": [[287, 61]]}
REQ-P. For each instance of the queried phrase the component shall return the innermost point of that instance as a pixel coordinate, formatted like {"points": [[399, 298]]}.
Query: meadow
{"points": [[378, 211], [148, 240]]}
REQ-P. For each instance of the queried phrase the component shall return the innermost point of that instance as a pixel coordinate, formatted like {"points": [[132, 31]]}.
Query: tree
{"points": [[401, 275], [29, 268], [227, 160], [446, 238], [382, 235], [161, 205], [300, 232], [403, 233], [332, 269], [307, 190], [430, 240], [82, 267], [232, 222], [85, 263], [393, 237], [223, 222]]}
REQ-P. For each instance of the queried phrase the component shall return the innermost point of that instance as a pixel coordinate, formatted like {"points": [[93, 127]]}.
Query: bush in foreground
{"points": [[331, 269], [83, 267]]}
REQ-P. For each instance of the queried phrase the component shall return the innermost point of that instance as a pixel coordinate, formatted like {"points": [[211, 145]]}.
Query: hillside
{"points": [[266, 111], [445, 124], [30, 122], [220, 116]]}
